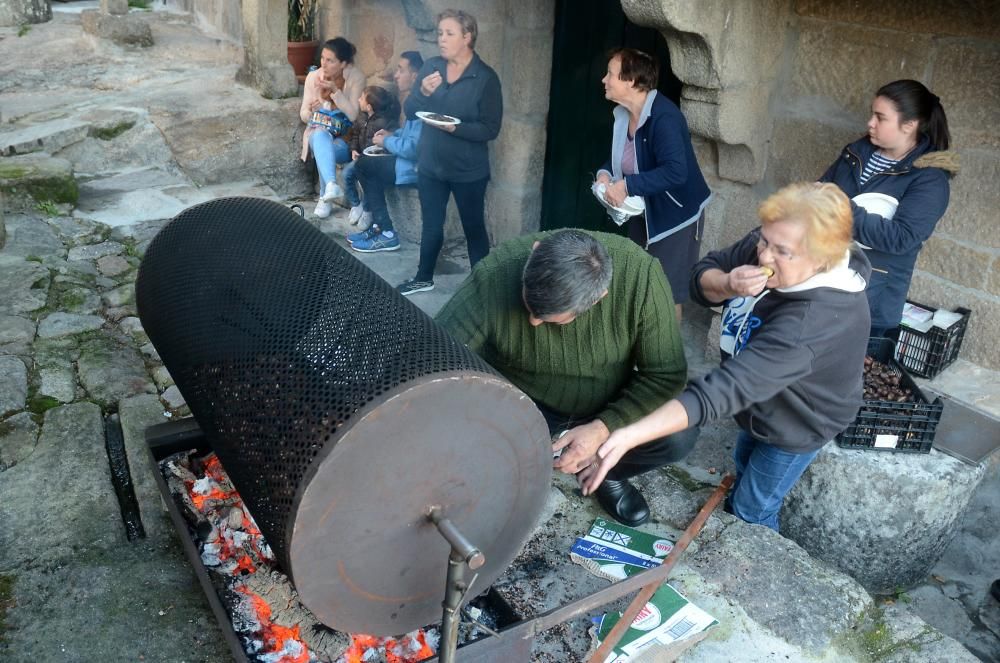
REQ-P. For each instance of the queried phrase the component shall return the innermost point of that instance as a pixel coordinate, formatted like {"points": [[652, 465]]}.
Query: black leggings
{"points": [[470, 198], [646, 457]]}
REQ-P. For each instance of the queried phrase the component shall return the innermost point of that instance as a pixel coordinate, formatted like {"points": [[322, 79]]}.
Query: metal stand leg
{"points": [[463, 554]]}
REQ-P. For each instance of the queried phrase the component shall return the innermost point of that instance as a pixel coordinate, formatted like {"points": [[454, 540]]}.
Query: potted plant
{"points": [[301, 41]]}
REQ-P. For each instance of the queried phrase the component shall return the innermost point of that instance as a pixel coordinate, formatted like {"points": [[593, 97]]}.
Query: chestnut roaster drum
{"points": [[343, 414]]}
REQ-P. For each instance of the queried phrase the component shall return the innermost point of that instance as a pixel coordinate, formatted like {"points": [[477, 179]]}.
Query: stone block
{"points": [[18, 437], [110, 372], [847, 63], [519, 154], [971, 18], [959, 263], [45, 137], [25, 285], [15, 13], [510, 214], [526, 89], [975, 198], [59, 324], [13, 385], [375, 37], [803, 148], [127, 30], [883, 518], [26, 180], [980, 344], [116, 7], [531, 14], [965, 78], [404, 210]]}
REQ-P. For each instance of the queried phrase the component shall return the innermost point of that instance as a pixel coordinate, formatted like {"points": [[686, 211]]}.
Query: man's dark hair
{"points": [[414, 58], [567, 273]]}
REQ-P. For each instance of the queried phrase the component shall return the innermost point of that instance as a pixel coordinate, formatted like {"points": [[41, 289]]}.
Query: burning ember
{"points": [[274, 627]]}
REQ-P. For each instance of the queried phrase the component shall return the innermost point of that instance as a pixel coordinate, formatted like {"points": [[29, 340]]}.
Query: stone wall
{"points": [[774, 89], [515, 38]]}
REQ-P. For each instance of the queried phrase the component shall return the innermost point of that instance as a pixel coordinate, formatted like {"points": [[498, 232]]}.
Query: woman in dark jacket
{"points": [[794, 333], [453, 159], [904, 159], [652, 157]]}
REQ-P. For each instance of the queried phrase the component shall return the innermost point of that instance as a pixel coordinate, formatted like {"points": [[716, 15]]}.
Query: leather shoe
{"points": [[623, 502]]}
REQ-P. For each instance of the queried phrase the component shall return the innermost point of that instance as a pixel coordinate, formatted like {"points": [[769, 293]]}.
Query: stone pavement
{"points": [[73, 354]]}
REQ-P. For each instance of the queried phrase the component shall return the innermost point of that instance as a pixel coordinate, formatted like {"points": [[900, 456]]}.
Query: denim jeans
{"points": [[350, 175], [328, 152], [764, 475], [377, 174], [470, 199]]}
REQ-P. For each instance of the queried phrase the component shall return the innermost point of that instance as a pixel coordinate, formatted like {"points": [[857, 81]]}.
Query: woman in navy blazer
{"points": [[652, 157]]}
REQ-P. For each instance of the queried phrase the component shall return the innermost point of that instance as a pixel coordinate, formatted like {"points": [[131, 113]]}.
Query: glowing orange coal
{"points": [[277, 638], [411, 648]]}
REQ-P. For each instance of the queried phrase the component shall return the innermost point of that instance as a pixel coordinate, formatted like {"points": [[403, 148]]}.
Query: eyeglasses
{"points": [[779, 251]]}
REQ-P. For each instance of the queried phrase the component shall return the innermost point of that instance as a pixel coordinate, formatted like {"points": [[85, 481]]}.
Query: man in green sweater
{"points": [[584, 324]]}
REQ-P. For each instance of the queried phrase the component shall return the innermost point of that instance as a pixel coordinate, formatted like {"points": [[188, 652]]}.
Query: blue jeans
{"points": [[764, 475], [328, 152], [350, 175]]}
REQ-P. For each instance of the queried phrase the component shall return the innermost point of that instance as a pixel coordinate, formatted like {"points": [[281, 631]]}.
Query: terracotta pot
{"points": [[301, 55]]}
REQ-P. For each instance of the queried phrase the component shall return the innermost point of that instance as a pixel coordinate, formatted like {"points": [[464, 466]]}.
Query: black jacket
{"points": [[793, 358], [475, 99], [919, 184]]}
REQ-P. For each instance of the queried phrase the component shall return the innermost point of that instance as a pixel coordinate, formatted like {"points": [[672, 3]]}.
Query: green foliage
{"points": [[39, 405], [23, 30], [301, 15], [108, 133], [48, 207], [139, 4], [34, 258]]}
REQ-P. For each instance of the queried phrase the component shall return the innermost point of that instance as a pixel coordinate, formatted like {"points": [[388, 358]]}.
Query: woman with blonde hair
{"points": [[794, 334]]}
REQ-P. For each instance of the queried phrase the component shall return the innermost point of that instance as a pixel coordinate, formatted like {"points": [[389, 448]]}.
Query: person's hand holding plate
{"points": [[616, 194]]}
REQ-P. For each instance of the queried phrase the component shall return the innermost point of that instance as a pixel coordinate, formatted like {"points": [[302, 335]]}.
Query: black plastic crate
{"points": [[928, 353], [891, 426]]}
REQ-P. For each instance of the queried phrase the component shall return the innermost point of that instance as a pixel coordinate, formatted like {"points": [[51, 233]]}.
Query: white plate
{"points": [[877, 203], [631, 206], [426, 117], [376, 151]]}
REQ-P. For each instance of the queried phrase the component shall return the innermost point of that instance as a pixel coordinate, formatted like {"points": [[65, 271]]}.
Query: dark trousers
{"points": [[377, 174], [646, 457], [470, 198]]}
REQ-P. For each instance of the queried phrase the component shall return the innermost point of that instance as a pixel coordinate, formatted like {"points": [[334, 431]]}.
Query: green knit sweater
{"points": [[617, 362]]}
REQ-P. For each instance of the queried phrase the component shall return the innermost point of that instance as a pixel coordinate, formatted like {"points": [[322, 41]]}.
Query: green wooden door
{"points": [[579, 121]]}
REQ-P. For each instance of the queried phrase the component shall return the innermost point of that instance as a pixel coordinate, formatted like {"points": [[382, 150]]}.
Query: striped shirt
{"points": [[876, 164]]}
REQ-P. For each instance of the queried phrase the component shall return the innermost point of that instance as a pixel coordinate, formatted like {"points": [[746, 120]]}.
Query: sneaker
{"points": [[365, 222], [364, 234], [332, 192], [355, 215], [413, 285], [323, 209], [387, 241]]}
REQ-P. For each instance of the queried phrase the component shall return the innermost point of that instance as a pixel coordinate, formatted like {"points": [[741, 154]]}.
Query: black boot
{"points": [[623, 502]]}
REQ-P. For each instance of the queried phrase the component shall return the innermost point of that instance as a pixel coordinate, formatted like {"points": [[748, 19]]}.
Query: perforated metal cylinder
{"points": [[341, 412]]}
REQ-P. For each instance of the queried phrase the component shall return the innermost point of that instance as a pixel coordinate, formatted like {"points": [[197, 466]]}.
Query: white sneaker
{"points": [[365, 222], [323, 209], [355, 215], [332, 192]]}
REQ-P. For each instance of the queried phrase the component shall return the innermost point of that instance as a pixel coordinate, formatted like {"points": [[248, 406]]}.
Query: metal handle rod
{"points": [[647, 592], [469, 553]]}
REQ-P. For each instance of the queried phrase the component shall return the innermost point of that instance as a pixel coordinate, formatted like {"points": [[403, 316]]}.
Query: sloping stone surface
{"points": [[18, 436], [25, 285]]}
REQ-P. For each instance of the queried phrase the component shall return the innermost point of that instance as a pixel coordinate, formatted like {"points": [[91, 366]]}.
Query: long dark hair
{"points": [[913, 101]]}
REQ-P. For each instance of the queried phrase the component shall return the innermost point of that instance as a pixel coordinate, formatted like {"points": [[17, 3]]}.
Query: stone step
{"points": [[29, 179], [44, 137]]}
